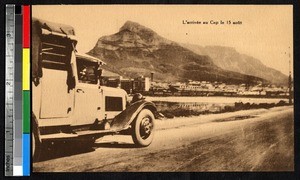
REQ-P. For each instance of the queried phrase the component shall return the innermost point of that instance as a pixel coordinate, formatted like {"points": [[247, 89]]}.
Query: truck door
{"points": [[87, 96], [57, 92]]}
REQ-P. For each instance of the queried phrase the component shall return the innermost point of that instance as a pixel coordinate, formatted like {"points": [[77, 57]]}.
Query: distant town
{"points": [[148, 86]]}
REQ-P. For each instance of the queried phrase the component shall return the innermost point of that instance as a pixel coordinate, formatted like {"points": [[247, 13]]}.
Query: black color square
{"points": [[18, 9]]}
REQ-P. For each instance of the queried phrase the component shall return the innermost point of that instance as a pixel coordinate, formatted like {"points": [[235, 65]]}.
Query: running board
{"points": [[80, 133], [58, 136]]}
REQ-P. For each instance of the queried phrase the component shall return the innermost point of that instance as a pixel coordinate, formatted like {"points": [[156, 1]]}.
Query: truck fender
{"points": [[125, 118], [35, 127]]}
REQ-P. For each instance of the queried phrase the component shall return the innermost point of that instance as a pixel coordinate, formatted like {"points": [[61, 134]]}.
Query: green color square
{"points": [[26, 112]]}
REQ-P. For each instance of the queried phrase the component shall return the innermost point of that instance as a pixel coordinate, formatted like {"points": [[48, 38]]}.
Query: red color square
{"points": [[26, 26]]}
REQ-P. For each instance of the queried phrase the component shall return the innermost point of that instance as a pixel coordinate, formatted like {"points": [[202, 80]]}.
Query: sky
{"points": [[266, 32]]}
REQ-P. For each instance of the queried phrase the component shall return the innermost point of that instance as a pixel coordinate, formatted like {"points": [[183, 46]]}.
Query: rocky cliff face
{"points": [[229, 59], [137, 50]]}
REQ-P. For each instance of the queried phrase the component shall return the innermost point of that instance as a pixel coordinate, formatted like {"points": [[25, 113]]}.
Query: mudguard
{"points": [[35, 127], [124, 119]]}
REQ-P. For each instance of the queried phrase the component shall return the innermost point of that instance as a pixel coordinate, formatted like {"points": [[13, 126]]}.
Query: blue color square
{"points": [[26, 154]]}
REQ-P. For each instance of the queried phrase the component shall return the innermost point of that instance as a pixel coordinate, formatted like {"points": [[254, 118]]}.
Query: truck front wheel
{"points": [[143, 128]]}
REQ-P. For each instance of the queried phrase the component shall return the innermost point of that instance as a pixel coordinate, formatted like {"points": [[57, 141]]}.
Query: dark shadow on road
{"points": [[60, 150], [114, 145]]}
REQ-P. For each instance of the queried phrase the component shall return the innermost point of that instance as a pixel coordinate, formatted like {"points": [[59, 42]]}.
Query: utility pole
{"points": [[290, 79]]}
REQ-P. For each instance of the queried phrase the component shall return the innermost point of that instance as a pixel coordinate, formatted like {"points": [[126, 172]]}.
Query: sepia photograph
{"points": [[162, 88]]}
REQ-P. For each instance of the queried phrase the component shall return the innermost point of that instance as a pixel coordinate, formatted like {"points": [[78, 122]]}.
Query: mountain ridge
{"points": [[230, 59], [136, 50]]}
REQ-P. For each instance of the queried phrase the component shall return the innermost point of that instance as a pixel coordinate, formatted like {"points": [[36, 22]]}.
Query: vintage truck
{"points": [[68, 100]]}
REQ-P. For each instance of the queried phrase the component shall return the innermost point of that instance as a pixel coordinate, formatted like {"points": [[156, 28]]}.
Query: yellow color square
{"points": [[26, 69]]}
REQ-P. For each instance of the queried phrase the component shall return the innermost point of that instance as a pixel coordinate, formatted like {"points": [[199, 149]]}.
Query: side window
{"points": [[86, 71], [113, 103]]}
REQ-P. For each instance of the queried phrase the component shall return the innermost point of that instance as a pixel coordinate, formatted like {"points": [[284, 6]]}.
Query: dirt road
{"points": [[253, 140]]}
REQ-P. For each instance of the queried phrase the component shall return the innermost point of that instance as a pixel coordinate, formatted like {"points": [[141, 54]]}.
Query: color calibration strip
{"points": [[18, 121], [9, 89], [26, 90], [13, 92], [17, 91]]}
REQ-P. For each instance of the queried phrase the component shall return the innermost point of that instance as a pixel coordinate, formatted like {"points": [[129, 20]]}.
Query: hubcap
{"points": [[146, 127]]}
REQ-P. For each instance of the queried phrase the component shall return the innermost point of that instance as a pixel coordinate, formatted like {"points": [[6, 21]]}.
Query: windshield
{"points": [[87, 71]]}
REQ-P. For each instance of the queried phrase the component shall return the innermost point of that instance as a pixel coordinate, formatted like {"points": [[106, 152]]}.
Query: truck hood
{"points": [[115, 90]]}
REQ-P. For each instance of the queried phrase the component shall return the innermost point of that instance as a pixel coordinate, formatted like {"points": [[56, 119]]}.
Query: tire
{"points": [[143, 128]]}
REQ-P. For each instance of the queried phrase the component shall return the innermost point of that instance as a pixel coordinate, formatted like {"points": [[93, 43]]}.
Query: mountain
{"points": [[229, 59], [137, 50]]}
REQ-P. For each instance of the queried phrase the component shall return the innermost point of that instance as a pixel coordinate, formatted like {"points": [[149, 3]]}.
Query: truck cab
{"points": [[68, 100]]}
